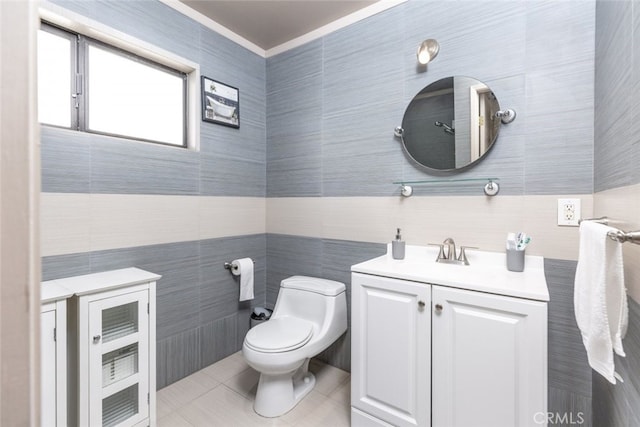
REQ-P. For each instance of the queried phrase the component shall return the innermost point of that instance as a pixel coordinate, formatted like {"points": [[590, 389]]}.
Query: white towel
{"points": [[243, 267], [600, 298]]}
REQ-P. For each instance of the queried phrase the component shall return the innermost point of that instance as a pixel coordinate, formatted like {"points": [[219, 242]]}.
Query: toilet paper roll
{"points": [[243, 267]]}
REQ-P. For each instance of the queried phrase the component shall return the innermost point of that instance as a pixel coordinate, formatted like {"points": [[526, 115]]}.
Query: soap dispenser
{"points": [[397, 247]]}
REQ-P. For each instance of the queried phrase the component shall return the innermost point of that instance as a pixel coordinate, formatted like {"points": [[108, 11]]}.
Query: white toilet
{"points": [[310, 314]]}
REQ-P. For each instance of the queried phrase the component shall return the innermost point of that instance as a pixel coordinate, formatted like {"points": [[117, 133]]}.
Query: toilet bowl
{"points": [[310, 314]]}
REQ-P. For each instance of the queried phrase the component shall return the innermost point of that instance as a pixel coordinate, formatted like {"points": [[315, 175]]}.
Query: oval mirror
{"points": [[450, 124]]}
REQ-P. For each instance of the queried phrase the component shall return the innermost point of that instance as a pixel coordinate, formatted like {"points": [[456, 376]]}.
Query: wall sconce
{"points": [[427, 51]]}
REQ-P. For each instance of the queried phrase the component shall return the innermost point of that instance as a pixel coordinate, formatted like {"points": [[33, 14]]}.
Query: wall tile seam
{"points": [[362, 242], [199, 241]]}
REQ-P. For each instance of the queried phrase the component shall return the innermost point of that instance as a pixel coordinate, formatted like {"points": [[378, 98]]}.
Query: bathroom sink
{"points": [[487, 272]]}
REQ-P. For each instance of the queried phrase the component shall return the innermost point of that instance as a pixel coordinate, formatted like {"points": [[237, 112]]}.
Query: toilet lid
{"points": [[281, 334]]}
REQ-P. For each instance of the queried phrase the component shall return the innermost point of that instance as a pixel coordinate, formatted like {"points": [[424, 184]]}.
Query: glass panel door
{"points": [[119, 355], [120, 406], [119, 321]]}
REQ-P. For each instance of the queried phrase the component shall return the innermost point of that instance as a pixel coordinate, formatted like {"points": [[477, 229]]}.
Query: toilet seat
{"points": [[279, 335]]}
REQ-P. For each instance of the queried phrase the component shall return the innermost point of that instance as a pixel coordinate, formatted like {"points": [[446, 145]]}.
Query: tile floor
{"points": [[222, 395]]}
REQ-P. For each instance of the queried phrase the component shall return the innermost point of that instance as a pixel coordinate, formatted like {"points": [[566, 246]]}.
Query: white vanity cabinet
{"points": [[447, 345], [113, 319], [53, 355], [390, 327], [489, 356]]}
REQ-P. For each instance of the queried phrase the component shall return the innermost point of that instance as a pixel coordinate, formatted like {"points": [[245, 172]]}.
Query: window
{"points": [[56, 59], [90, 86]]}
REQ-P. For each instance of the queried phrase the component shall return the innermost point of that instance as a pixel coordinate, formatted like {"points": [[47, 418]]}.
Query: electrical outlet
{"points": [[568, 212]]}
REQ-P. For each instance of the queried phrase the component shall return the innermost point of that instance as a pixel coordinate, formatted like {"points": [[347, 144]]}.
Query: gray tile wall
{"points": [[231, 162], [331, 106], [617, 152], [569, 374], [619, 405], [294, 91], [199, 319], [330, 259], [147, 20], [617, 86], [348, 90]]}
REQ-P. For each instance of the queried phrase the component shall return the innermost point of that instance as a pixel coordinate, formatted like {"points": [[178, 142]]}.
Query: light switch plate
{"points": [[568, 212]]}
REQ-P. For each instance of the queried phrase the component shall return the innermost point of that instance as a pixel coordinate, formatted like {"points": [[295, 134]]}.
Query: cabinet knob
{"points": [[421, 304], [96, 339], [438, 308]]}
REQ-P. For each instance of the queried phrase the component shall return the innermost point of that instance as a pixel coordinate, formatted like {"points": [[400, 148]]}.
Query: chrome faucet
{"points": [[449, 257], [451, 248]]}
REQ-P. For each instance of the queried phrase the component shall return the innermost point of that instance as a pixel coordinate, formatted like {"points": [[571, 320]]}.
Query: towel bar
{"points": [[619, 236], [601, 220], [623, 236]]}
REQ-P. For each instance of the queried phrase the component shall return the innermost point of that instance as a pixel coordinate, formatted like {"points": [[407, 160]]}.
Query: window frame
{"points": [[73, 55], [79, 83]]}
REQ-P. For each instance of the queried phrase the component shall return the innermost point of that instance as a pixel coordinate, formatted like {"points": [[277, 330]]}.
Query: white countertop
{"points": [[487, 272], [89, 283], [51, 291]]}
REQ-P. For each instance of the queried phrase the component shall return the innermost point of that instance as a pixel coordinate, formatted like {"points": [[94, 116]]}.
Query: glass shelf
{"points": [[491, 187]]}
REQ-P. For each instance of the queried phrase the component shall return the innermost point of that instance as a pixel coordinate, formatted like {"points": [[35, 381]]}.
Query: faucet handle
{"points": [[463, 255], [441, 253]]}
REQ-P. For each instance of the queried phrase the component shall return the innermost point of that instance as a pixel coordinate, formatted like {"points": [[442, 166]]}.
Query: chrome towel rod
{"points": [[619, 235], [601, 220]]}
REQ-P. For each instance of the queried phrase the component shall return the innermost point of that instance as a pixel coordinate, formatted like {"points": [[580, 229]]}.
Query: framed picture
{"points": [[220, 103]]}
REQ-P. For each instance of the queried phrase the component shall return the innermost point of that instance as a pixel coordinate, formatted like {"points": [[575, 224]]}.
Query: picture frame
{"points": [[220, 103]]}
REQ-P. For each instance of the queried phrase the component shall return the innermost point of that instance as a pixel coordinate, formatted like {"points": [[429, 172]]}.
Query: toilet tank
{"points": [[314, 284], [309, 298]]}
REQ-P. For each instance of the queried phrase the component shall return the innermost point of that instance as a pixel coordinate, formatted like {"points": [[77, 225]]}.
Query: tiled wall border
{"points": [[471, 220], [80, 222]]}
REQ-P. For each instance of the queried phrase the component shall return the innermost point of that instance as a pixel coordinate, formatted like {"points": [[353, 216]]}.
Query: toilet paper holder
{"points": [[229, 266]]}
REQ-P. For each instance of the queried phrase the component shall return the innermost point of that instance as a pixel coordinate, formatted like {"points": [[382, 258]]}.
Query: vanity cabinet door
{"points": [[489, 359], [390, 327], [53, 365]]}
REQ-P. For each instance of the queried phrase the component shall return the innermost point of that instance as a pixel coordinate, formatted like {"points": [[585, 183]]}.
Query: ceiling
{"points": [[270, 23]]}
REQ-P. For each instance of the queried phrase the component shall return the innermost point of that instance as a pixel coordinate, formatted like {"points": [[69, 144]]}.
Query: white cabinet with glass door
{"points": [[115, 324]]}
